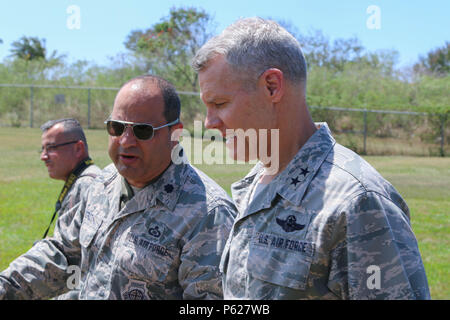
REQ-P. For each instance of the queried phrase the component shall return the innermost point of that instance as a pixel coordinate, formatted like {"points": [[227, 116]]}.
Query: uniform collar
{"points": [[166, 189], [293, 181], [126, 191], [240, 189]]}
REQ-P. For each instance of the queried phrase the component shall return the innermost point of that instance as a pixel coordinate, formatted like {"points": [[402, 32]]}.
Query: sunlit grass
{"points": [[27, 196]]}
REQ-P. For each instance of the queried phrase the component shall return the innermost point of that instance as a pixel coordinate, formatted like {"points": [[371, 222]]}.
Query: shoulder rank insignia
{"points": [[290, 224], [295, 181], [168, 188]]}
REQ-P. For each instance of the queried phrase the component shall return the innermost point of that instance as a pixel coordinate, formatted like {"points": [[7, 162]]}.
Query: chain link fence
{"points": [[371, 132]]}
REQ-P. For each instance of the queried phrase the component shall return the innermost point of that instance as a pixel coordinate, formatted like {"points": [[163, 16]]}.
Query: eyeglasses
{"points": [[52, 147], [142, 131]]}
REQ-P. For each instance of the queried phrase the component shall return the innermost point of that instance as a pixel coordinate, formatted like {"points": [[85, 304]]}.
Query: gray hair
{"points": [[72, 129], [253, 45]]}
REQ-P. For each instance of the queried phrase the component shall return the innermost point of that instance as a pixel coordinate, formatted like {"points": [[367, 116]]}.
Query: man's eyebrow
{"points": [[206, 97], [212, 98]]}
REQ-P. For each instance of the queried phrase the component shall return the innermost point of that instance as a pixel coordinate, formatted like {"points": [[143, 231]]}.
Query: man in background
{"points": [[66, 156]]}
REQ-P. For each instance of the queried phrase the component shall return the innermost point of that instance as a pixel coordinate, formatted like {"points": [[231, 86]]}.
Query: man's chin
{"points": [[55, 176], [123, 169], [129, 173]]}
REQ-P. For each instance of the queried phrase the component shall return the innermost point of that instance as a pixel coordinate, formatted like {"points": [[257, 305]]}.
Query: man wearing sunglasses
{"points": [[147, 228]]}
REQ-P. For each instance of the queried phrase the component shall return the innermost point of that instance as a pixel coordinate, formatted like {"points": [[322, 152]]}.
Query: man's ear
{"points": [[175, 132], [80, 149], [273, 83]]}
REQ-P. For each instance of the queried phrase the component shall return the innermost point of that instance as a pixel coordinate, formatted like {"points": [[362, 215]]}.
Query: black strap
{"points": [[67, 185]]}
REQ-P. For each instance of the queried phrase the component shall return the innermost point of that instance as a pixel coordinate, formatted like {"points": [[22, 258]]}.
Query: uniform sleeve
{"points": [[199, 274], [67, 226], [65, 214], [377, 255], [41, 273]]}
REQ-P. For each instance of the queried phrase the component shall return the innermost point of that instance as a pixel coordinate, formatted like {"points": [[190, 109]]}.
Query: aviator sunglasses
{"points": [[142, 131]]}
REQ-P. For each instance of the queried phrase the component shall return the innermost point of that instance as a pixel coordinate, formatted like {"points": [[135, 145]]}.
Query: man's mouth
{"points": [[127, 158]]}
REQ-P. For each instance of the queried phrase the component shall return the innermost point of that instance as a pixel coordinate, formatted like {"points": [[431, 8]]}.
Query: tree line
{"points": [[341, 73]]}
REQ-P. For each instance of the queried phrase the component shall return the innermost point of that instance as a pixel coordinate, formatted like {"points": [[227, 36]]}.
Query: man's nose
{"points": [[212, 120], [127, 138], [44, 155]]}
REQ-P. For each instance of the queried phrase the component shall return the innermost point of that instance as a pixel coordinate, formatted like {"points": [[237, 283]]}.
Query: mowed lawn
{"points": [[27, 197]]}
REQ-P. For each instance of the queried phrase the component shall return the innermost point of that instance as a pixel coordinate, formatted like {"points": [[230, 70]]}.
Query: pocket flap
{"points": [[89, 229], [285, 263]]}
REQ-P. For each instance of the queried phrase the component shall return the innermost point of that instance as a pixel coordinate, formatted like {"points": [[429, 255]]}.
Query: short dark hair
{"points": [[72, 129], [172, 104]]}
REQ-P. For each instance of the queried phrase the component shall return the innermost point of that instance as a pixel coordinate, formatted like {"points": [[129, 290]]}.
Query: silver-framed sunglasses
{"points": [[142, 131]]}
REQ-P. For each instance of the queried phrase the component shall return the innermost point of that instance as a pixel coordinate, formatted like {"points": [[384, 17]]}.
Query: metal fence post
{"points": [[89, 109], [443, 120], [31, 106], [365, 130]]}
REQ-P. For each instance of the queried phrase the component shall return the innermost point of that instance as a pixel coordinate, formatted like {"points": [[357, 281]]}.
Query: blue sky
{"points": [[411, 27]]}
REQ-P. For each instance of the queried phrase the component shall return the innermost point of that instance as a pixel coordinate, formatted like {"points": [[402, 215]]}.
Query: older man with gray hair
{"points": [[324, 224]]}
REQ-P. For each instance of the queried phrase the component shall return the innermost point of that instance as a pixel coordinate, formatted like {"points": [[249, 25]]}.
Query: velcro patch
{"points": [[272, 241]]}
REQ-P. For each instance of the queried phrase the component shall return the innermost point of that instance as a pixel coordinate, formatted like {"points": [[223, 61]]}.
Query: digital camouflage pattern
{"points": [[65, 215], [165, 243], [317, 230]]}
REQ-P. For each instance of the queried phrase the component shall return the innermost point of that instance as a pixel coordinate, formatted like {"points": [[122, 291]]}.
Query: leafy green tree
{"points": [[32, 48], [320, 51], [28, 48], [436, 61], [167, 47], [30, 53]]}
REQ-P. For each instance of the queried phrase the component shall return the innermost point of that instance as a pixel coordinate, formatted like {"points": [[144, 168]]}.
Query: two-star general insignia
{"points": [[295, 181], [303, 172], [290, 224]]}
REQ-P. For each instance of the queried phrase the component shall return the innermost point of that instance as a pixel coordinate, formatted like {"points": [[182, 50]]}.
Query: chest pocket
{"points": [[280, 261], [141, 257]]}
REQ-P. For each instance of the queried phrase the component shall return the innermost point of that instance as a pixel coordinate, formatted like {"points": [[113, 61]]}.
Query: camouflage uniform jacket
{"points": [[65, 215], [325, 228], [165, 243]]}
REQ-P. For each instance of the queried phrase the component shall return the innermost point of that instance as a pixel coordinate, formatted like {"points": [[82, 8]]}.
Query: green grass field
{"points": [[27, 197]]}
